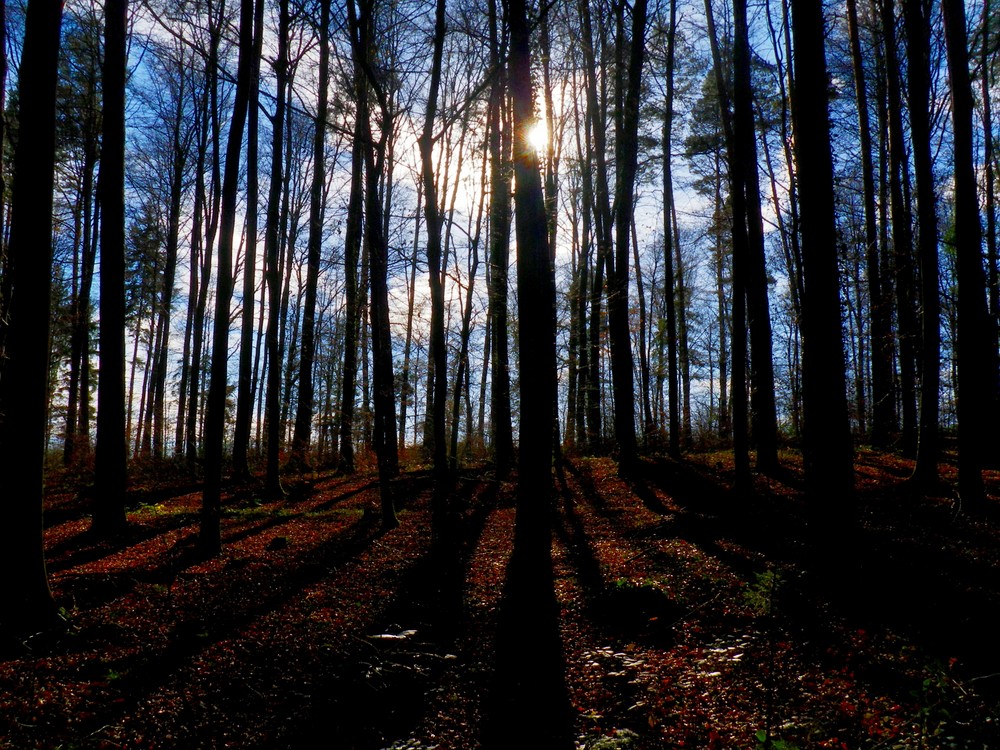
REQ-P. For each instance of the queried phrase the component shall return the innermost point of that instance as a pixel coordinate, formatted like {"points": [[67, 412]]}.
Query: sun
{"points": [[538, 135]]}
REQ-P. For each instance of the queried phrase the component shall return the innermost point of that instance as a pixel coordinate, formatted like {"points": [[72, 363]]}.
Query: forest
{"points": [[485, 373]]}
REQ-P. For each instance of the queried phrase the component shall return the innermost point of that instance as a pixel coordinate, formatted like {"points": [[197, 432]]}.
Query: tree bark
{"points": [[245, 392], [24, 328], [500, 186], [111, 455], [272, 262], [883, 403], [917, 22], [827, 450], [210, 533], [765, 426], [669, 278], [738, 416], [304, 413], [433, 221], [976, 344]]}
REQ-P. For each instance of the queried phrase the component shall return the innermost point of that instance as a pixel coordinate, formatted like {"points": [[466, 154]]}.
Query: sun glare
{"points": [[538, 135]]}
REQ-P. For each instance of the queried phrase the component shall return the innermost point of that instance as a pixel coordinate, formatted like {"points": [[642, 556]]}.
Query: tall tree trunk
{"points": [[989, 206], [304, 412], [740, 427], [902, 237], [24, 330], [603, 220], [765, 425], [111, 456], [462, 373], [644, 376], [883, 403], [626, 158], [406, 391], [976, 343], [210, 538], [272, 262], [828, 454], [352, 251], [77, 440], [917, 22], [535, 301], [245, 392], [206, 223], [669, 279], [500, 186], [433, 221], [377, 249], [180, 149]]}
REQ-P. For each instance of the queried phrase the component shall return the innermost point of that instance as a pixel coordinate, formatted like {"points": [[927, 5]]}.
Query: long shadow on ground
{"points": [[917, 568], [529, 701], [376, 693]]}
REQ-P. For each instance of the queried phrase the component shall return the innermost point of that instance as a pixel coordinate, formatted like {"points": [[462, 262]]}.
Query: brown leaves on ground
{"points": [[686, 618]]}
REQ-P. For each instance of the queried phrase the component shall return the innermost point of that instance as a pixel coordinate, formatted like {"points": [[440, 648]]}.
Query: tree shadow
{"points": [[377, 692], [528, 703]]}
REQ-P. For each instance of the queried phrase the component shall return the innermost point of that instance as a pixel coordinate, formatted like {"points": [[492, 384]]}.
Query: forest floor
{"points": [[672, 614]]}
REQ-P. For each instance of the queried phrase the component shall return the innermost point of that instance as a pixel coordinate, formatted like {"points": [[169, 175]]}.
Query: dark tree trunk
{"points": [[535, 301], [669, 279], [352, 251], [210, 539], [500, 177], [828, 454], [245, 393], [28, 605], [272, 262], [902, 237], [78, 440], [205, 225], [883, 403], [180, 149], [738, 417], [917, 21], [765, 425], [989, 154], [462, 373], [111, 456], [432, 219], [626, 157], [304, 413], [976, 344], [406, 390], [377, 260]]}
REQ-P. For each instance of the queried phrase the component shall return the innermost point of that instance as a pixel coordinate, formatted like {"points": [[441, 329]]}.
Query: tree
{"points": [[535, 300], [111, 470], [976, 343], [80, 125], [304, 412], [669, 277], [24, 328], [827, 450], [741, 251], [244, 401], [902, 236], [883, 403], [917, 23], [626, 158], [432, 219], [499, 239], [272, 264], [210, 540], [755, 280], [360, 23]]}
